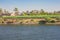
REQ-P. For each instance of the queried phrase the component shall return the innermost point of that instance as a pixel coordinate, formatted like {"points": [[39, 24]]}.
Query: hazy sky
{"points": [[23, 5]]}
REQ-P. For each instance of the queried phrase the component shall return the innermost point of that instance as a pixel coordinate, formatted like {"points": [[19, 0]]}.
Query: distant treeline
{"points": [[29, 17], [27, 13]]}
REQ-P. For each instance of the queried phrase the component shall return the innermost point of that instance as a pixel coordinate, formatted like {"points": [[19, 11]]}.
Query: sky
{"points": [[24, 5]]}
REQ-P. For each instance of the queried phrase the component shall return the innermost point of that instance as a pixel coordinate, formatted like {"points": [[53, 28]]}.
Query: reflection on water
{"points": [[29, 32]]}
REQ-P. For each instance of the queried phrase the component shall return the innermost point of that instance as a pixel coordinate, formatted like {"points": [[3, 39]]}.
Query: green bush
{"points": [[52, 21], [42, 22]]}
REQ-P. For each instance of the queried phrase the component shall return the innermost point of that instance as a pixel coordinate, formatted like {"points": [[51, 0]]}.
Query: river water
{"points": [[29, 32]]}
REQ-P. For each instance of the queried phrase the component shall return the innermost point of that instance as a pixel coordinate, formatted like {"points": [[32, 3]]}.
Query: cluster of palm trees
{"points": [[33, 12]]}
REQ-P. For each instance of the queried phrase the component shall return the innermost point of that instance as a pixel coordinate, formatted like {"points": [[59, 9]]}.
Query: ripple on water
{"points": [[30, 32]]}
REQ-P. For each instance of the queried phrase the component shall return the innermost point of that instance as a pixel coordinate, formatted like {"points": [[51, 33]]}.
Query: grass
{"points": [[36, 16]]}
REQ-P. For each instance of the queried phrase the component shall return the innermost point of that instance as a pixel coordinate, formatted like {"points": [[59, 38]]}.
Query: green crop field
{"points": [[36, 16]]}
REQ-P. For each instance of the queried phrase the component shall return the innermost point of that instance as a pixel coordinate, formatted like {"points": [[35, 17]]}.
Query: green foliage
{"points": [[42, 22], [52, 21], [48, 17], [33, 14], [16, 9]]}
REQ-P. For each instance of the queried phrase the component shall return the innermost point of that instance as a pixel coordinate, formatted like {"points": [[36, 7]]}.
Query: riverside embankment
{"points": [[28, 21]]}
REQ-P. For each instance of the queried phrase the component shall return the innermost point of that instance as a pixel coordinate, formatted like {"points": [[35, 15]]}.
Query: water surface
{"points": [[29, 32]]}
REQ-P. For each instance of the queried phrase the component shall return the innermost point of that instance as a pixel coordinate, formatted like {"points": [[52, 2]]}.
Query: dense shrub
{"points": [[42, 22], [52, 21]]}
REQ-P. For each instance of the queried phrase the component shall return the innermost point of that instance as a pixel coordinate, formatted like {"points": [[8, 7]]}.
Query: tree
{"points": [[31, 13], [16, 12], [42, 12], [54, 12], [1, 11], [27, 12], [34, 12], [16, 9]]}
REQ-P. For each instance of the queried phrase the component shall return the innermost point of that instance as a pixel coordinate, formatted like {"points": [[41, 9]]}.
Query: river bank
{"points": [[28, 21]]}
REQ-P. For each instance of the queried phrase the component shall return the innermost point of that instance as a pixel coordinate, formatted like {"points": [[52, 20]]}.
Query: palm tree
{"points": [[16, 9], [16, 12], [42, 11]]}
